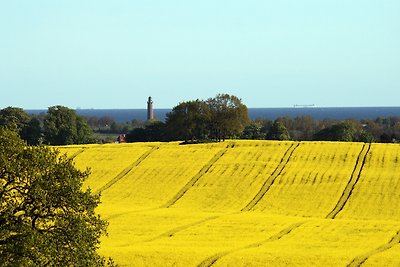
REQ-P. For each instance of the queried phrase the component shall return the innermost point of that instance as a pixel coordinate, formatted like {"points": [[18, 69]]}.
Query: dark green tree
{"points": [[14, 118], [45, 217], [366, 137], [137, 135], [153, 131], [342, 131], [188, 120], [254, 131], [278, 131], [28, 127], [228, 116], [62, 126], [32, 133], [84, 134]]}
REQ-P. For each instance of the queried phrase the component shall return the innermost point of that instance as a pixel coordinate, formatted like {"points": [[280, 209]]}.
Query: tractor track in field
{"points": [[127, 170], [355, 176], [175, 230], [270, 181], [358, 261], [213, 259], [73, 156], [195, 178]]}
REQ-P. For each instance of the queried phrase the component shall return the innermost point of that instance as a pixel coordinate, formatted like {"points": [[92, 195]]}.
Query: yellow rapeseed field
{"points": [[247, 203], [377, 195], [313, 179]]}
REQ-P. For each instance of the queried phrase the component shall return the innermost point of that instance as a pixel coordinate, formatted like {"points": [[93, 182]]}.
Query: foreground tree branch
{"points": [[45, 217]]}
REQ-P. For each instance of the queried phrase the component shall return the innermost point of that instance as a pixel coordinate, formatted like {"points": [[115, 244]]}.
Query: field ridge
{"points": [[355, 176], [213, 259], [125, 171], [271, 179], [175, 230], [196, 177], [78, 152], [358, 261], [247, 203]]}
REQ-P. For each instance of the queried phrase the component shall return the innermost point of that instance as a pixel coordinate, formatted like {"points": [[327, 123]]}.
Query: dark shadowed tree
{"points": [[229, 116], [84, 134], [255, 131], [137, 135], [153, 131], [28, 127], [343, 131], [32, 133], [278, 131], [366, 137], [63, 127], [188, 120], [45, 217], [15, 119]]}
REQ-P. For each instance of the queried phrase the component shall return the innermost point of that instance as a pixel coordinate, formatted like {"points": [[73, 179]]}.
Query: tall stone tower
{"points": [[150, 112]]}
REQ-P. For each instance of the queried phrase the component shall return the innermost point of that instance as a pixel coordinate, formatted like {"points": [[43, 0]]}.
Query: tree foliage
{"points": [[28, 127], [220, 117], [153, 131], [229, 116], [278, 131], [32, 133], [255, 130], [14, 118], [343, 131], [62, 126], [45, 217], [189, 120]]}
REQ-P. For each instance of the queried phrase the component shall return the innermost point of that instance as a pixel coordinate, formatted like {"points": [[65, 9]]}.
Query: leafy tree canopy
{"points": [[14, 118], [343, 131], [278, 131], [188, 120], [62, 126], [229, 116], [45, 217]]}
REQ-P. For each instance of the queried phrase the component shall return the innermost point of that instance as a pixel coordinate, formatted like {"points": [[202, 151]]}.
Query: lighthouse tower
{"points": [[150, 112]]}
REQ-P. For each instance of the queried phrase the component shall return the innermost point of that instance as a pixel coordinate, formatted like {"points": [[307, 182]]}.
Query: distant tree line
{"points": [[226, 117], [108, 125], [59, 126], [215, 119], [305, 128]]}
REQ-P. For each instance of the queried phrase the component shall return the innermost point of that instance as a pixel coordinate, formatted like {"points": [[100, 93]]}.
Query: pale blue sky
{"points": [[114, 54]]}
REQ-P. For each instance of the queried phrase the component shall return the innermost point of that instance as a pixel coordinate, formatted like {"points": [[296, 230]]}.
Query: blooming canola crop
{"points": [[247, 203]]}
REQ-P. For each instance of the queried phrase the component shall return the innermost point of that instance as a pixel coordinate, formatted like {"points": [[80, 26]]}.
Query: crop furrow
{"points": [[269, 182], [355, 176], [78, 152], [211, 260], [127, 170], [358, 261], [172, 232], [195, 178]]}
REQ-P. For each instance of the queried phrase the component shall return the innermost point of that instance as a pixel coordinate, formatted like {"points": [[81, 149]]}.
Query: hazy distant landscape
{"points": [[124, 115]]}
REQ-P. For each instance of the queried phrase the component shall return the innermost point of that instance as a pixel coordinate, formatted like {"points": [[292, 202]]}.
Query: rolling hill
{"points": [[247, 203]]}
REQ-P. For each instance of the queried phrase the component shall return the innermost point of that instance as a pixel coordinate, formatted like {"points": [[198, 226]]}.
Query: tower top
{"points": [[150, 112]]}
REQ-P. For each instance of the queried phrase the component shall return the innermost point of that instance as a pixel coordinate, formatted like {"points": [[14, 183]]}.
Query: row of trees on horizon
{"points": [[59, 126], [215, 119]]}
